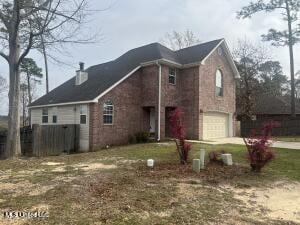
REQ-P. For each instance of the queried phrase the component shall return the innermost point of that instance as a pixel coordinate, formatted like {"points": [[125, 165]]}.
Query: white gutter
{"points": [[170, 63], [159, 100], [58, 104]]}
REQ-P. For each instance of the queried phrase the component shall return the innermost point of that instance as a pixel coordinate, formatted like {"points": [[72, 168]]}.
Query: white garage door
{"points": [[215, 125]]}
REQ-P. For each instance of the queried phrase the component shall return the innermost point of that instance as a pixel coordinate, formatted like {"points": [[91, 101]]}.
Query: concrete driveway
{"points": [[239, 141]]}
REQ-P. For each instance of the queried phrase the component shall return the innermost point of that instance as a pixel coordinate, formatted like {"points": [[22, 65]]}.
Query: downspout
{"points": [[200, 133], [159, 100]]}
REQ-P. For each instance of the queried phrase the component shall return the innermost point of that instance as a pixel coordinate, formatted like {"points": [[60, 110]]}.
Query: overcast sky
{"points": [[131, 23]]}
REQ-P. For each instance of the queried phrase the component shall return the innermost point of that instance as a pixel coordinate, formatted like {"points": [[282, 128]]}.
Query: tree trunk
{"points": [[292, 69], [46, 64], [29, 97], [248, 97], [13, 145]]}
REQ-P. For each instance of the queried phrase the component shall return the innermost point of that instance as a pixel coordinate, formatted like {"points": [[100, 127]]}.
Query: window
{"points": [[219, 83], [54, 119], [83, 112], [82, 119], [54, 116], [108, 112], [45, 115], [172, 76]]}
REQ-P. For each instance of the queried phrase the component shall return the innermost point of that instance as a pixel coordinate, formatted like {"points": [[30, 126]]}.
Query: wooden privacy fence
{"points": [[47, 140], [2, 142], [289, 127], [54, 139]]}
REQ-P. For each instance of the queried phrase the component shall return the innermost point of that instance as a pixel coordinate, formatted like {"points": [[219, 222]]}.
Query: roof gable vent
{"points": [[81, 75]]}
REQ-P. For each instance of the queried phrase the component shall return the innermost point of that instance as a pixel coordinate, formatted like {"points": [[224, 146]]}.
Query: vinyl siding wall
{"points": [[65, 115]]}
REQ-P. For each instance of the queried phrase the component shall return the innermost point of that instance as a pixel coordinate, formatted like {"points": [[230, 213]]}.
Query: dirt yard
{"points": [[115, 187]]}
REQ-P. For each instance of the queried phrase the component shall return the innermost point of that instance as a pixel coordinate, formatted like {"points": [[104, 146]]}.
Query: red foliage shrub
{"points": [[259, 151], [178, 131]]}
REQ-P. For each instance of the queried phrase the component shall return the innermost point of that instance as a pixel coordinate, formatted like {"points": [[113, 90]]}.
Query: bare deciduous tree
{"points": [[22, 23], [179, 40], [248, 58]]}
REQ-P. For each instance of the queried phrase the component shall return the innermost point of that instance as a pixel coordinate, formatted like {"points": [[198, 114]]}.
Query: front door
{"points": [[152, 120], [168, 130]]}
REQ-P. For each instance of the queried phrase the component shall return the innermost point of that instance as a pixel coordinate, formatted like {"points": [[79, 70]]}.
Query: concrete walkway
{"points": [[239, 141]]}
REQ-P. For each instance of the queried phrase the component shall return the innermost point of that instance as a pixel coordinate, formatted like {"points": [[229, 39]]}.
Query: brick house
{"points": [[138, 91]]}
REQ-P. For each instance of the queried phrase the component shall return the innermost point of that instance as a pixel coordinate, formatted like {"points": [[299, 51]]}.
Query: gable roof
{"points": [[103, 76], [274, 105]]}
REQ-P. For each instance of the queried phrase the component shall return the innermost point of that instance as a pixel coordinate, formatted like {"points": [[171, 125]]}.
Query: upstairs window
{"points": [[108, 112], [219, 83], [83, 112], [172, 76], [45, 115]]}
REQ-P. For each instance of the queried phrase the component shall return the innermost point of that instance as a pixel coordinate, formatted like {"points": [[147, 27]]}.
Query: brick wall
{"points": [[208, 99], [149, 79], [128, 114], [141, 90], [183, 94], [189, 100], [194, 91]]}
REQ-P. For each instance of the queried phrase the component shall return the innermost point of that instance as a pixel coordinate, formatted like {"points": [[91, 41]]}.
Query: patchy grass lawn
{"points": [[114, 187]]}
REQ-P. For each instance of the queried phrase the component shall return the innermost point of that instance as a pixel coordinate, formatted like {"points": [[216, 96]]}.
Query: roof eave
{"points": [[229, 56], [64, 103], [170, 63]]}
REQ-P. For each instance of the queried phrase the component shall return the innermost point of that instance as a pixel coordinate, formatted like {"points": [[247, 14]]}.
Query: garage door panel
{"points": [[215, 125]]}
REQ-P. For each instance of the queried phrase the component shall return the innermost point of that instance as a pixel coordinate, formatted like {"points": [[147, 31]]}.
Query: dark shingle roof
{"points": [[274, 105], [103, 76]]}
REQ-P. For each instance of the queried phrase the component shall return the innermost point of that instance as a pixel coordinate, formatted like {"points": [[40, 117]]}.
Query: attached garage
{"points": [[215, 125]]}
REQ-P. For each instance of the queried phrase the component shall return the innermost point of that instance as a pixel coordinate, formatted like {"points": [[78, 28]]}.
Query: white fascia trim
{"points": [[116, 84], [95, 100], [191, 65], [162, 61], [59, 104], [230, 58], [170, 63], [231, 61], [212, 51]]}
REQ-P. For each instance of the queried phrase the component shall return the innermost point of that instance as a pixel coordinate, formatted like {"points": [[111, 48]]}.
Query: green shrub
{"points": [[131, 139], [142, 137]]}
